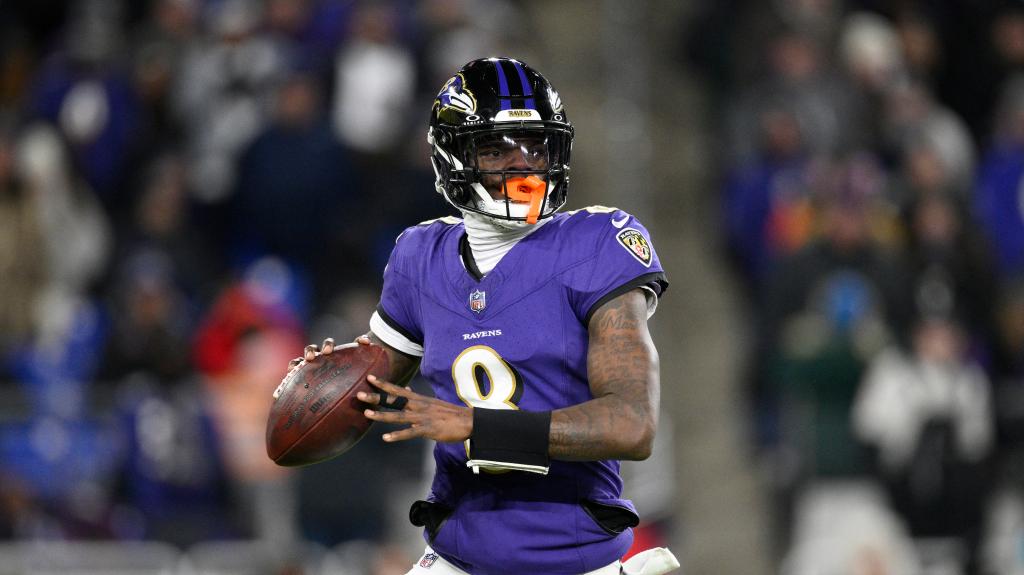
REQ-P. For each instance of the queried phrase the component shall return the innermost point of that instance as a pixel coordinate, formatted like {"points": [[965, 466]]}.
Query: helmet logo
{"points": [[455, 96], [478, 301]]}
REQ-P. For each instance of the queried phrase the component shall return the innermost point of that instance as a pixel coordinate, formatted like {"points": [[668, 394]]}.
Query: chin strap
{"points": [[529, 189]]}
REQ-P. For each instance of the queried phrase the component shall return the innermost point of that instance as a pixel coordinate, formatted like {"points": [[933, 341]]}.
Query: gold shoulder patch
{"points": [[636, 244]]}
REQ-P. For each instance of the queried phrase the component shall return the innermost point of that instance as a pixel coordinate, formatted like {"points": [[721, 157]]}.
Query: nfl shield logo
{"points": [[477, 301], [428, 560]]}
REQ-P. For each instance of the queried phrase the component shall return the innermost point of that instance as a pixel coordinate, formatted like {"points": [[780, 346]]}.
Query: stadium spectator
{"points": [[86, 91], [23, 262], [997, 200], [767, 204], [222, 95], [298, 193], [238, 348], [927, 410], [375, 80]]}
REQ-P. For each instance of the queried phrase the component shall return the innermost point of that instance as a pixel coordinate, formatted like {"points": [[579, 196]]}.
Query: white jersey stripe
{"points": [[393, 338]]}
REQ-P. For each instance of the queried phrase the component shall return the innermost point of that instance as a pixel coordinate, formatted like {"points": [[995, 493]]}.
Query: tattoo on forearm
{"points": [[622, 368]]}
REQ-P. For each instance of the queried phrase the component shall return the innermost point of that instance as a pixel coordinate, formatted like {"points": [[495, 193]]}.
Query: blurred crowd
{"points": [[191, 190], [871, 162]]}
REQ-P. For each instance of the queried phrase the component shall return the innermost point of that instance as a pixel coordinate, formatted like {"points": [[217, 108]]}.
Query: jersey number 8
{"points": [[481, 364]]}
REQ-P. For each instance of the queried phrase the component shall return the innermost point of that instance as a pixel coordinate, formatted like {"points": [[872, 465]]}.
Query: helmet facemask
{"points": [[516, 173]]}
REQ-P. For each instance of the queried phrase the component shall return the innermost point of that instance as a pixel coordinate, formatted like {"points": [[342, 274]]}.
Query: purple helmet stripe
{"points": [[503, 94], [527, 90]]}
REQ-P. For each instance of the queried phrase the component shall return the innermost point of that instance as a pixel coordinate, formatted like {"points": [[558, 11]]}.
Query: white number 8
{"points": [[506, 385]]}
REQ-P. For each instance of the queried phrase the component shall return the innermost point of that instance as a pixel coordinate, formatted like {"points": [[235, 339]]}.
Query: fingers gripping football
{"points": [[426, 416], [310, 353]]}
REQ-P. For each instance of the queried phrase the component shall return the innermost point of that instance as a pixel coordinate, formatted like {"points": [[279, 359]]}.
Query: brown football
{"points": [[316, 416]]}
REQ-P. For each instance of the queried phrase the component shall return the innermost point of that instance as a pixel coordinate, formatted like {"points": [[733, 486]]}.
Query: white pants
{"points": [[433, 564]]}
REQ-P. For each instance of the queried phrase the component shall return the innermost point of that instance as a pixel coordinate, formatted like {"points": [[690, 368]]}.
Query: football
{"points": [[316, 415]]}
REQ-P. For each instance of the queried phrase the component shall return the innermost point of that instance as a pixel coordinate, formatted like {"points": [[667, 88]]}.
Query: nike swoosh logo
{"points": [[620, 223]]}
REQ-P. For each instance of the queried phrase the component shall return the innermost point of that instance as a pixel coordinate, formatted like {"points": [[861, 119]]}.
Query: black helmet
{"points": [[500, 141]]}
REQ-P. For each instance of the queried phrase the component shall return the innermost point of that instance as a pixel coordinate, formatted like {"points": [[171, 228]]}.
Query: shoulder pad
{"points": [[447, 220], [595, 210], [421, 227]]}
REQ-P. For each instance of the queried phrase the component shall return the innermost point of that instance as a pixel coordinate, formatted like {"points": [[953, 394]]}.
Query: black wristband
{"points": [[511, 436]]}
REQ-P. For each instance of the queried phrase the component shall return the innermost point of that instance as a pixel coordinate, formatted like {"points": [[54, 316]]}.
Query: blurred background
{"points": [[191, 190]]}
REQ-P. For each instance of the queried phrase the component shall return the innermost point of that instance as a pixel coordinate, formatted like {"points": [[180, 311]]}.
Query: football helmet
{"points": [[500, 142]]}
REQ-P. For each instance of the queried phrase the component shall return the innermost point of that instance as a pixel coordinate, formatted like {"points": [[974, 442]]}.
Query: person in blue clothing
{"points": [[531, 326]]}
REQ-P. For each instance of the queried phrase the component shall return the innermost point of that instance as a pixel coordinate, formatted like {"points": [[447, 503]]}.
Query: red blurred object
{"points": [[235, 315], [646, 536]]}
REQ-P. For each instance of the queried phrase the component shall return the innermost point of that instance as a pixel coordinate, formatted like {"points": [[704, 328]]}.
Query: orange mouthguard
{"points": [[529, 189]]}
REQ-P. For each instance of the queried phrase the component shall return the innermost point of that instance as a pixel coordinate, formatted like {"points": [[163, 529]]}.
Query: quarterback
{"points": [[530, 324]]}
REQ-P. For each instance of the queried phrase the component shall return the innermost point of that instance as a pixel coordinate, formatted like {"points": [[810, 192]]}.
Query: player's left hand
{"points": [[427, 416]]}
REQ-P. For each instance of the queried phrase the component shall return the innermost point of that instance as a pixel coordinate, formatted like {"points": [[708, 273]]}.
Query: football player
{"points": [[531, 326]]}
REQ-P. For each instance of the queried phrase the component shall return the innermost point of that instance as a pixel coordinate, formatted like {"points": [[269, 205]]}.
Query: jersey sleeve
{"points": [[624, 260], [396, 320]]}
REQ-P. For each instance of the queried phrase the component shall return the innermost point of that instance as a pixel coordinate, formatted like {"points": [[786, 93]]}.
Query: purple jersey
{"points": [[517, 339]]}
